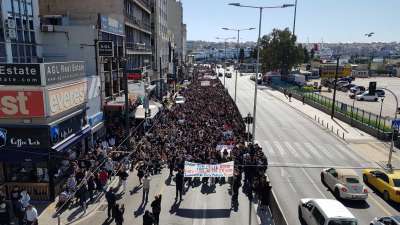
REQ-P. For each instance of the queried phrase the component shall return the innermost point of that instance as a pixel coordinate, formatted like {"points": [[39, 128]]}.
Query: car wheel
{"points": [[300, 216], [337, 194], [365, 178], [323, 179], [376, 99], [361, 99], [386, 196]]}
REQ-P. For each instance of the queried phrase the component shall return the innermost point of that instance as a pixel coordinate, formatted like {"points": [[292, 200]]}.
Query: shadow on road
{"points": [[175, 207], [135, 189], [355, 204], [204, 213]]}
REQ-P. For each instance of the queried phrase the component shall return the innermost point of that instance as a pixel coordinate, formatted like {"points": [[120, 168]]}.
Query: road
{"points": [[291, 139]]}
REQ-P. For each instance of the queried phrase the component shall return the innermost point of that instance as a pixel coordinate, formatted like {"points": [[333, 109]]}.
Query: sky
{"points": [[329, 21]]}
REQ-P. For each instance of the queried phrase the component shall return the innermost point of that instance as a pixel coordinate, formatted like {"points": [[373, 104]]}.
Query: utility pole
{"points": [[334, 87]]}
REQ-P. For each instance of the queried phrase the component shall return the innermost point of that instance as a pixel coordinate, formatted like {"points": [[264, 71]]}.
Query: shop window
{"points": [[27, 172]]}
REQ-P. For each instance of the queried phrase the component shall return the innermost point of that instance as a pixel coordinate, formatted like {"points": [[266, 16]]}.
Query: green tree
{"points": [[280, 51], [312, 53], [241, 55], [306, 55]]}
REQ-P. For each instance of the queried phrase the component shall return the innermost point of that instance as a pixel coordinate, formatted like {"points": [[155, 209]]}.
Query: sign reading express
{"points": [[21, 104], [20, 74], [67, 97], [64, 71]]}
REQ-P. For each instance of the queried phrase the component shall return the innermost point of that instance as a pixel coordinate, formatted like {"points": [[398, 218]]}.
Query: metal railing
{"points": [[138, 22], [138, 47]]}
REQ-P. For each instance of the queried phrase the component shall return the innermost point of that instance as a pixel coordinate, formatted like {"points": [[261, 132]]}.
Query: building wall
{"points": [[175, 18], [161, 47]]}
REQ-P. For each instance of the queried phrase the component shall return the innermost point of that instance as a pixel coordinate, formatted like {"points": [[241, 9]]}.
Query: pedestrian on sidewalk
{"points": [[25, 198], [146, 188], [118, 214], [304, 99], [285, 92], [148, 218], [31, 215], [5, 212], [103, 178], [179, 185], [82, 194], [15, 196], [19, 212], [91, 186], [237, 182], [111, 200], [140, 173], [290, 96], [123, 176], [156, 208]]}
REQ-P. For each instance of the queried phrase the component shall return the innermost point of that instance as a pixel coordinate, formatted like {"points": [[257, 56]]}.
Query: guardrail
{"points": [[275, 208]]}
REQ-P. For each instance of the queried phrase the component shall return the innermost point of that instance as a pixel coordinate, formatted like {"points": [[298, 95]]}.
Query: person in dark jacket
{"points": [[91, 183], [156, 208], [179, 185], [111, 200], [148, 218], [235, 189], [118, 214], [4, 212]]}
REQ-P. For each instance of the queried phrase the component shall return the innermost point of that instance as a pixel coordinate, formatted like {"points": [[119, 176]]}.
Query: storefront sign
{"points": [[63, 71], [65, 129], [208, 170], [134, 74], [20, 74], [105, 48], [61, 99], [95, 119], [21, 104], [23, 137], [110, 25]]}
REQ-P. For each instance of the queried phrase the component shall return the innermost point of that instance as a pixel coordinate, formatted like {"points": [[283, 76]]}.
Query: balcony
{"points": [[138, 48], [144, 4], [138, 23]]}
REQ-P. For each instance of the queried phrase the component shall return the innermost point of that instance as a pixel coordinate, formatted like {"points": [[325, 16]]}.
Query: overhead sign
{"points": [[63, 130], [63, 71], [111, 25], [22, 137], [105, 48], [61, 99], [134, 74], [372, 87], [396, 124], [21, 104], [20, 74], [208, 170]]}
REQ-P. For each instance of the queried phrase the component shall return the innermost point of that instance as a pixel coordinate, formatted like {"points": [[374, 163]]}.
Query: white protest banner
{"points": [[205, 83], [208, 170]]}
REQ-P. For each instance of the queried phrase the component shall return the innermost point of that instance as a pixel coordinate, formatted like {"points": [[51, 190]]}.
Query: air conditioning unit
{"points": [[47, 28], [11, 34], [10, 23]]}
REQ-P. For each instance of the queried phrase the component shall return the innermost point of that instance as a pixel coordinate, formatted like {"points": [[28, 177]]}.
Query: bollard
{"points": [[315, 117], [318, 119], [337, 132], [322, 122], [327, 125], [58, 219], [343, 135], [332, 128]]}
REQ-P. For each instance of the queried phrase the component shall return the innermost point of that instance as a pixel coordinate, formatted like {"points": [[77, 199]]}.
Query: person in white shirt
{"points": [[31, 215], [111, 141], [25, 198], [104, 144], [146, 188]]}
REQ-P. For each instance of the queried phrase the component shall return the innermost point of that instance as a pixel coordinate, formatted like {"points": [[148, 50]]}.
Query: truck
{"points": [[299, 79]]}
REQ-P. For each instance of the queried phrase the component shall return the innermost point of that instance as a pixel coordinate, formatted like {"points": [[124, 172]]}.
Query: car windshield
{"points": [[342, 222], [396, 182], [352, 180]]}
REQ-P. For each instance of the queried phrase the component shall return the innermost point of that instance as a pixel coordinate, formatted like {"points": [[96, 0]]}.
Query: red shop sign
{"points": [[21, 104]]}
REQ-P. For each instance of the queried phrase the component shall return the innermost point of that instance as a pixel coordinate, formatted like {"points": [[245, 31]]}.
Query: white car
{"points": [[387, 220], [179, 99], [344, 183], [366, 96]]}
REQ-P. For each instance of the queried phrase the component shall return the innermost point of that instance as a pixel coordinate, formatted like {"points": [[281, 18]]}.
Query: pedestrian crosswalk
{"points": [[309, 152]]}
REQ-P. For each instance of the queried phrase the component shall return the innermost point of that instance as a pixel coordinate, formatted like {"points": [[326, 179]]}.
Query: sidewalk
{"points": [[336, 126]]}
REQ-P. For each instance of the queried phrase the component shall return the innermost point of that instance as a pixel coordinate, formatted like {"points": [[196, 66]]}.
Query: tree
{"points": [[280, 51], [312, 53], [241, 55], [306, 55]]}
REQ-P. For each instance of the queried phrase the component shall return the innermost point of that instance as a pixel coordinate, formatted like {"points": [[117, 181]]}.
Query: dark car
{"points": [[380, 92], [346, 87]]}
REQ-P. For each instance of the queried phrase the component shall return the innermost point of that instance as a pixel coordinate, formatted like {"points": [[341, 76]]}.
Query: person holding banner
{"points": [[179, 185]]}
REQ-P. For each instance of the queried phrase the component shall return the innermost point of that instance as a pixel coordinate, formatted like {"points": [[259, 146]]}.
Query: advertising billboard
{"points": [[21, 104], [63, 98], [63, 71], [20, 74], [23, 137]]}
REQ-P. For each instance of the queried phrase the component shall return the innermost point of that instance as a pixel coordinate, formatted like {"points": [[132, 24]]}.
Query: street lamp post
{"points": [[380, 113], [260, 8], [294, 19], [238, 51], [334, 87], [225, 39]]}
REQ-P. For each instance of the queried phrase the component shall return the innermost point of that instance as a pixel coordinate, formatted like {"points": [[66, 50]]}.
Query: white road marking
{"points": [[313, 183], [314, 151], [333, 151], [291, 185], [301, 149], [292, 150], [269, 148], [348, 152], [279, 147], [282, 172]]}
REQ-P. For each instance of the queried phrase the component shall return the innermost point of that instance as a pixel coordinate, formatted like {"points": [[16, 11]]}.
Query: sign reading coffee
{"points": [[63, 71], [22, 137], [67, 97], [20, 74]]}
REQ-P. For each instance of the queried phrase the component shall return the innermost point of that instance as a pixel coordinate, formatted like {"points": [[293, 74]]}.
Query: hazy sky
{"points": [[317, 20]]}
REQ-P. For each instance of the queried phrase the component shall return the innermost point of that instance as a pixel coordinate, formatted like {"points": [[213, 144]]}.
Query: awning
{"points": [[24, 154], [73, 139], [140, 111]]}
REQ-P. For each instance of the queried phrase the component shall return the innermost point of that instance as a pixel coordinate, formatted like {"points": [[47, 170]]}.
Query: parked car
{"points": [[348, 79], [380, 92], [386, 220], [314, 211], [357, 88], [346, 87], [344, 183], [387, 183], [366, 96], [352, 95], [341, 83]]}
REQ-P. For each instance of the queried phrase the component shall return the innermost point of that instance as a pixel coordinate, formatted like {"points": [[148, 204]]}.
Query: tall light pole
{"points": [[238, 51], [260, 8], [294, 18], [225, 39]]}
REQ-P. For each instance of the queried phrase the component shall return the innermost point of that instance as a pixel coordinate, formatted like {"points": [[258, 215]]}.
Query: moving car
{"points": [[366, 96], [179, 99], [387, 183], [344, 183], [387, 220], [314, 211]]}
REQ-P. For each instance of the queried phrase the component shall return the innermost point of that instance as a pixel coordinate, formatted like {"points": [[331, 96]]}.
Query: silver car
{"points": [[387, 220]]}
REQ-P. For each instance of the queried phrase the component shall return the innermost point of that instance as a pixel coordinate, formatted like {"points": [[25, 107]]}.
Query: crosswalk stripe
{"points": [[333, 151], [279, 147], [270, 149], [347, 152], [311, 148], [301, 149], [323, 150], [291, 149]]}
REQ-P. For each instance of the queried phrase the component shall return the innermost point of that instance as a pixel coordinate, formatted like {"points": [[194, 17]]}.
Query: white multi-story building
{"points": [[175, 24]]}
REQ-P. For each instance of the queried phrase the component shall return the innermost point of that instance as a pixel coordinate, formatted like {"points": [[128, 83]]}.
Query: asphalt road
{"points": [[292, 142], [389, 103]]}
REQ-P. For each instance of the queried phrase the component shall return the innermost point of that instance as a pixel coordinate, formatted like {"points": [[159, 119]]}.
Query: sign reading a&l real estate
{"points": [[61, 99], [63, 71], [23, 74], [105, 48]]}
